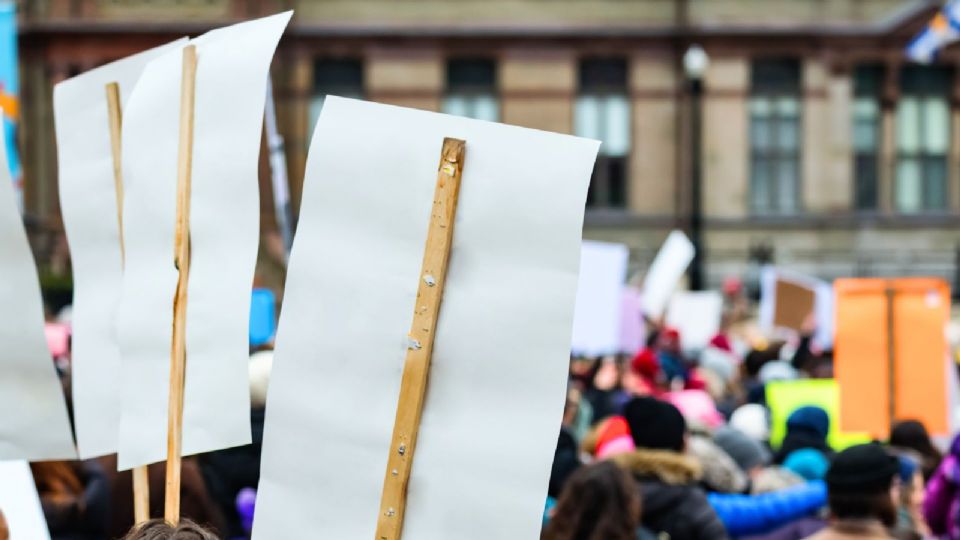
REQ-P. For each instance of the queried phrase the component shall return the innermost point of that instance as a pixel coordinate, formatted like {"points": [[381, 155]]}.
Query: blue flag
{"points": [[10, 87], [941, 31]]}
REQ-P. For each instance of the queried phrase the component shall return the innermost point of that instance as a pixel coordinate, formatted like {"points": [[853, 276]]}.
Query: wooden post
{"points": [[416, 368], [141, 481], [178, 353]]}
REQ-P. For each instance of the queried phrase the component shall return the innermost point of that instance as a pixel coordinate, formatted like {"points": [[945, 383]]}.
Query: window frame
{"points": [[774, 155], [608, 190], [472, 93]]}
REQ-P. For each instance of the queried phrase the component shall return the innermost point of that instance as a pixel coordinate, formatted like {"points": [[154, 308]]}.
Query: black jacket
{"points": [[673, 502]]}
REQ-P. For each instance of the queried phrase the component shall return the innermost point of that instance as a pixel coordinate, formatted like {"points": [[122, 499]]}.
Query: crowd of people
{"points": [[91, 500], [673, 445]]}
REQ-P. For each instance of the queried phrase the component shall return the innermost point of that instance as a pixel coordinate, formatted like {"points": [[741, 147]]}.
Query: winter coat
{"points": [[853, 531], [720, 472], [941, 506], [756, 514], [673, 503], [228, 471], [795, 530], [798, 440]]}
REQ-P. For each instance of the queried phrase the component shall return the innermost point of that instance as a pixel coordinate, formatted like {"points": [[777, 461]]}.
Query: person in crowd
{"points": [[941, 506], [673, 502], [598, 503], [605, 394], [750, 371], [195, 501], [753, 420], [910, 522], [645, 376], [609, 438], [862, 489], [226, 472], [749, 454], [756, 514], [807, 427], [912, 435], [75, 497], [566, 460], [720, 471], [158, 529], [807, 463], [774, 478]]}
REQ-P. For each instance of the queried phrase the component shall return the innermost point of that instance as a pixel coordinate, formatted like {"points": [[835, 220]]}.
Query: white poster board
{"points": [[233, 64], [89, 207], [34, 424], [696, 315], [19, 502], [500, 359], [822, 308], [665, 273], [596, 319]]}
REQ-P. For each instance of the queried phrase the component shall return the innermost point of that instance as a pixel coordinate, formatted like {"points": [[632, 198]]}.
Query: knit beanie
{"points": [[751, 419], [746, 452], [809, 463], [655, 425], [866, 468], [810, 418], [613, 438]]}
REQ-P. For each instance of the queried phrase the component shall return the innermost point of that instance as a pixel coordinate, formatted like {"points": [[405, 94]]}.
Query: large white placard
{"points": [[89, 207], [696, 315], [500, 361], [233, 64], [665, 272], [20, 503], [596, 319], [34, 424]]}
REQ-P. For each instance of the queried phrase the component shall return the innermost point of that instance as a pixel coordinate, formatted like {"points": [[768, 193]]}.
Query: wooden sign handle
{"points": [[141, 481], [416, 369], [178, 352]]}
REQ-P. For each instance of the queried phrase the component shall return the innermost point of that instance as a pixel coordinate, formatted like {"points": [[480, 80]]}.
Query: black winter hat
{"points": [[866, 468], [655, 424]]}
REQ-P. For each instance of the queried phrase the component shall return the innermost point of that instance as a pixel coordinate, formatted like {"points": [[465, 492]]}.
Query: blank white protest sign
{"points": [[20, 503], [89, 206], [232, 69], [34, 424], [665, 272], [596, 319], [498, 381]]}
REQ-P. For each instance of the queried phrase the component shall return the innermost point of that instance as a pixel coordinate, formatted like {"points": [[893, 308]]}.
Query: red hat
{"points": [[645, 364], [614, 438]]}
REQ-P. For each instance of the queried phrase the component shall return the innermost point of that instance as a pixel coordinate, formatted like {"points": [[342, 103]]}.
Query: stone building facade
{"points": [[822, 147]]}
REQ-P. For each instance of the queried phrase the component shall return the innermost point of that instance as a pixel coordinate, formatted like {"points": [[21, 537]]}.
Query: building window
{"points": [[923, 138], [472, 89], [867, 90], [775, 92], [602, 112], [338, 77]]}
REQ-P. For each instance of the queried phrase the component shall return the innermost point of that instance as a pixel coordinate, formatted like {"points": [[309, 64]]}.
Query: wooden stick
{"points": [[416, 368], [116, 119], [178, 353], [141, 481]]}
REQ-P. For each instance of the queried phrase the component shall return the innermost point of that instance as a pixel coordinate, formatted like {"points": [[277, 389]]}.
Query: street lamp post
{"points": [[695, 63]]}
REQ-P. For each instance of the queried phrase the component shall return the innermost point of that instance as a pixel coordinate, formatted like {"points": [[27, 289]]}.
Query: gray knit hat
{"points": [[746, 452]]}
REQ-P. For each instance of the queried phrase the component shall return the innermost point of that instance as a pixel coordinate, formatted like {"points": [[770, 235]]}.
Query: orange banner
{"points": [[912, 314]]}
